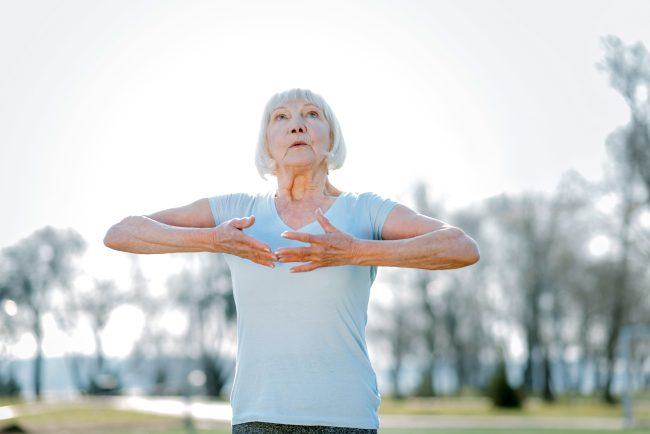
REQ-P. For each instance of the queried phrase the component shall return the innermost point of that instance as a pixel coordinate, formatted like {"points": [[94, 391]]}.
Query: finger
{"points": [[257, 245], [294, 254], [299, 236], [306, 267], [261, 261], [243, 223], [249, 247], [263, 258], [324, 222]]}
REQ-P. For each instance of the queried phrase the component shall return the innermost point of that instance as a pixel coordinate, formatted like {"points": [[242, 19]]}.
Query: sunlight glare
{"points": [[123, 329], [644, 219], [10, 307], [175, 322], [607, 203], [599, 245], [641, 94]]}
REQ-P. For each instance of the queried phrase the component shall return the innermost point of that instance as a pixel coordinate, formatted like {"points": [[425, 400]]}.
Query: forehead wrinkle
{"points": [[308, 103]]}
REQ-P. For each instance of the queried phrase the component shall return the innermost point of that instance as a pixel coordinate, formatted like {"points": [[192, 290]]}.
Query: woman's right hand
{"points": [[232, 240]]}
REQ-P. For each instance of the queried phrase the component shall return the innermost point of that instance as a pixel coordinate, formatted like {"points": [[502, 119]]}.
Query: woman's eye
{"points": [[313, 114], [281, 116]]}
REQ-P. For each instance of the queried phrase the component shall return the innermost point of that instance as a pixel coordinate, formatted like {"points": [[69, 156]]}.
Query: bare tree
{"points": [[421, 283], [628, 68], [97, 305], [533, 231], [157, 341], [467, 309], [9, 328], [36, 265], [205, 292], [396, 331], [624, 230]]}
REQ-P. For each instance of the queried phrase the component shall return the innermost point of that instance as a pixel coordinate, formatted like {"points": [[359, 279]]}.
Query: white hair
{"points": [[336, 156]]}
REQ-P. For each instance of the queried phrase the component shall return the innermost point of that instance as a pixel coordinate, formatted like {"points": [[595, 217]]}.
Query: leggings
{"points": [[276, 428]]}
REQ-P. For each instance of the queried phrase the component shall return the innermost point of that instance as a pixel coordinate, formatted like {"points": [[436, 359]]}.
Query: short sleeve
{"points": [[229, 206], [378, 209]]}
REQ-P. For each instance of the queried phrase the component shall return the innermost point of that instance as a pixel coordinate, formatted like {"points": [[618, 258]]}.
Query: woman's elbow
{"points": [[114, 238], [111, 239], [471, 254], [467, 252]]}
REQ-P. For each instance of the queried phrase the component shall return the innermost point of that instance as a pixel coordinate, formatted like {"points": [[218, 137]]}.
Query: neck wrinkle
{"points": [[305, 187]]}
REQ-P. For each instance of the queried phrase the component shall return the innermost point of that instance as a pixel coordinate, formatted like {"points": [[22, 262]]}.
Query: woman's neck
{"points": [[304, 186]]}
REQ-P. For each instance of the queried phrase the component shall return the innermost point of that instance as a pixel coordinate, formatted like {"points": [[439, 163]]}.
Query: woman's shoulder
{"points": [[231, 205], [239, 202], [365, 196], [366, 202], [241, 196]]}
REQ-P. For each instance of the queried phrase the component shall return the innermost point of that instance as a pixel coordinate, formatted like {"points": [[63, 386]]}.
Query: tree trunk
{"points": [[395, 371], [548, 394], [38, 361], [99, 352], [531, 362], [619, 303], [425, 387]]}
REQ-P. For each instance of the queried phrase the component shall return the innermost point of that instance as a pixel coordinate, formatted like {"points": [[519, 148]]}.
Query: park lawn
{"points": [[9, 401], [414, 431], [90, 418], [476, 406], [504, 431], [98, 418]]}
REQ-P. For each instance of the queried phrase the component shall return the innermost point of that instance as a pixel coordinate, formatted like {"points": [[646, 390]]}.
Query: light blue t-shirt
{"points": [[301, 356]]}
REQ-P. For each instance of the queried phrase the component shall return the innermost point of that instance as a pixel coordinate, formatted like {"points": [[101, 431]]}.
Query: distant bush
{"points": [[500, 391], [107, 383], [9, 386]]}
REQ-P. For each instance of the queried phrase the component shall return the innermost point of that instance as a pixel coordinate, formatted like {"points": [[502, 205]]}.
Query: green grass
{"points": [[91, 418], [476, 406], [482, 407], [420, 431], [503, 430], [9, 401], [95, 417]]}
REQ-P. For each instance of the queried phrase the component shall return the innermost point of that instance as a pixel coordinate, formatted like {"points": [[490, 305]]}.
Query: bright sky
{"points": [[109, 109]]}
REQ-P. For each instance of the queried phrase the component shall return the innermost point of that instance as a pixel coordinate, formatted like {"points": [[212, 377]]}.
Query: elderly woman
{"points": [[302, 259]]}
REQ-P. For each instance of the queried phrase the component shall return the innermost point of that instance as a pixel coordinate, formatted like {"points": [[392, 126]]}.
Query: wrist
{"points": [[213, 241], [359, 246]]}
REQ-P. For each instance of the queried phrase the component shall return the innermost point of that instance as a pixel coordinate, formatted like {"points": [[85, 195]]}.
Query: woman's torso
{"points": [[302, 356]]}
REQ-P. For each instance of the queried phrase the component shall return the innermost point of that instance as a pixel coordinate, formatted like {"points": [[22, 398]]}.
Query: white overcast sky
{"points": [[115, 108]]}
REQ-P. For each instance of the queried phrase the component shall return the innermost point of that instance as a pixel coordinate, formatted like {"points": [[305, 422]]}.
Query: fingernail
{"points": [[283, 234], [266, 249]]}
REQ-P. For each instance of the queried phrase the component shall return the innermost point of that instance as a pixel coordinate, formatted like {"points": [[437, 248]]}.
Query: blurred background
{"points": [[525, 123]]}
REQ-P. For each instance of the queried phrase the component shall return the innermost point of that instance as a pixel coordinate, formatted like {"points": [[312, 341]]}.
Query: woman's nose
{"points": [[298, 126]]}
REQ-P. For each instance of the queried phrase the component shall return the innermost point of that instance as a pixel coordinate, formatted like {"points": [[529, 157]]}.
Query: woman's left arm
{"points": [[409, 240], [413, 240]]}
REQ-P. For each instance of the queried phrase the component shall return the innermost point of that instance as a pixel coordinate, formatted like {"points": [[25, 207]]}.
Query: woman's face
{"points": [[298, 135]]}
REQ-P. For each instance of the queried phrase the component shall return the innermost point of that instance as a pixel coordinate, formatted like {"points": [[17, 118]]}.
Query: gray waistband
{"points": [[276, 428]]}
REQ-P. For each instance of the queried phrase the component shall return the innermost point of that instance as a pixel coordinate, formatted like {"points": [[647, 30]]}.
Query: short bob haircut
{"points": [[335, 158]]}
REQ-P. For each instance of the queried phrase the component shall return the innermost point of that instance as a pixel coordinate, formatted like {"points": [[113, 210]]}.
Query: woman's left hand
{"points": [[330, 249]]}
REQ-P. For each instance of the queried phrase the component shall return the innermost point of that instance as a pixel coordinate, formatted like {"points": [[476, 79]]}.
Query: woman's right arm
{"points": [[189, 228]]}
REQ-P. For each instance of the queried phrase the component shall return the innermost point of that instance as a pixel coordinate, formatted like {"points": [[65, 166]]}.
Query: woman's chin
{"points": [[299, 164]]}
